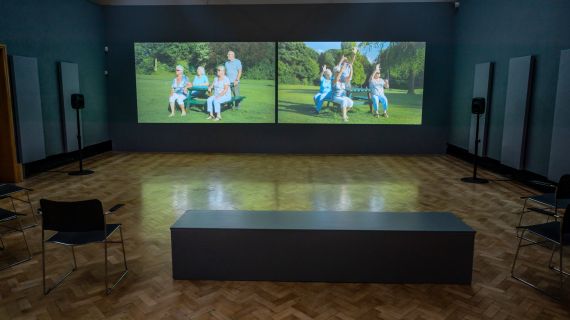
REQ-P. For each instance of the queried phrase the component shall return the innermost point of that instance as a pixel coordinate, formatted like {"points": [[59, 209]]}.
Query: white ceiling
{"points": [[244, 2]]}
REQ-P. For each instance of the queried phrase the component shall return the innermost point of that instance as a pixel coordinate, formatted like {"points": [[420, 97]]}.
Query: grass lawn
{"points": [[152, 102], [296, 106]]}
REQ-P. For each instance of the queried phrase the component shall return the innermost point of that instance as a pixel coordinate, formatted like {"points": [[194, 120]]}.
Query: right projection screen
{"points": [[351, 82]]}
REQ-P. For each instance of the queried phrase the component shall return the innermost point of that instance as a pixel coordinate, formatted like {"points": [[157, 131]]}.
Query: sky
{"points": [[371, 53]]}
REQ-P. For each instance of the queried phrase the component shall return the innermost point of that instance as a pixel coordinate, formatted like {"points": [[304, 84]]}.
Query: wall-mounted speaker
{"points": [[77, 101], [478, 106]]}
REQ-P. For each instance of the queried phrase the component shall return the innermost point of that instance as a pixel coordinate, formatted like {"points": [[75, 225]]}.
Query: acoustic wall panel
{"points": [[68, 85], [482, 85], [560, 145], [27, 109], [516, 111]]}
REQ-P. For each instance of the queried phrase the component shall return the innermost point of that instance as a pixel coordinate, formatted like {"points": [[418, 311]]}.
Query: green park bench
{"points": [[356, 94], [191, 101]]}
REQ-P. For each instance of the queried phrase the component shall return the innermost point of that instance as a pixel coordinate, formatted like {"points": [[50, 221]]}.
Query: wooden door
{"points": [[10, 169]]}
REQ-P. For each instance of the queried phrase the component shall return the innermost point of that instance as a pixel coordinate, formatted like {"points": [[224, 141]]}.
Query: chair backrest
{"points": [[78, 216], [563, 189], [566, 222]]}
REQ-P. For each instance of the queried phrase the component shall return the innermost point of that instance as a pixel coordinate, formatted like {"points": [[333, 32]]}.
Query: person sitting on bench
{"points": [[179, 91], [339, 92], [222, 94], [325, 90], [346, 75], [377, 85], [200, 80]]}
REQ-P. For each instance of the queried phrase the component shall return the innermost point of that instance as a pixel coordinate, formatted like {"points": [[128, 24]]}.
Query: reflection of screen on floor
{"points": [[351, 82], [204, 82]]}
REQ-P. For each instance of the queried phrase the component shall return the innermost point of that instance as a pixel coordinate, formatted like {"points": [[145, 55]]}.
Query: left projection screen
{"points": [[205, 82]]}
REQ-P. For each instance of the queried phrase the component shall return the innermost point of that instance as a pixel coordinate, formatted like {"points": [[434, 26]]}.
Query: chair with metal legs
{"points": [[555, 234], [548, 204], [7, 217], [76, 224]]}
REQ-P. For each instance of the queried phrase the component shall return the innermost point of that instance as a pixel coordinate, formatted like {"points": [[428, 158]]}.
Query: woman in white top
{"points": [[377, 85], [178, 91], [339, 92], [221, 86]]}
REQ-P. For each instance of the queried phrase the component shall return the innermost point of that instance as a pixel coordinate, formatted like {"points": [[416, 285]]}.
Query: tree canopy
{"points": [[258, 58]]}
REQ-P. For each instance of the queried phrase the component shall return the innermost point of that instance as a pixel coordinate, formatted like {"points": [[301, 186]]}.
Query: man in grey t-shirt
{"points": [[233, 71]]}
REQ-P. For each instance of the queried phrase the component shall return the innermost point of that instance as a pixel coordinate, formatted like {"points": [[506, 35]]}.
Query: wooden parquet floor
{"points": [[158, 188]]}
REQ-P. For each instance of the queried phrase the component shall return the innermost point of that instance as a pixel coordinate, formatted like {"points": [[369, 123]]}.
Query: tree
{"points": [[406, 61], [297, 63]]}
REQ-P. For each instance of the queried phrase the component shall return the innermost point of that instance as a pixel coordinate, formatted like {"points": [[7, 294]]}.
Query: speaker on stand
{"points": [[477, 108], [78, 103]]}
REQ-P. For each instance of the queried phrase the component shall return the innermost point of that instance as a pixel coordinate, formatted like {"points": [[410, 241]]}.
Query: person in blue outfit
{"points": [[200, 80], [179, 91], [221, 94], [339, 92], [346, 75], [234, 72], [325, 89], [377, 85]]}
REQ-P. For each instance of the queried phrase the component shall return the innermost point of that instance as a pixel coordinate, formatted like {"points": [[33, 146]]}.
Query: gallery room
{"points": [[285, 159]]}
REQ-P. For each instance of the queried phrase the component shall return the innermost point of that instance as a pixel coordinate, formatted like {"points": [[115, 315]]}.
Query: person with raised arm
{"points": [[339, 91], [325, 88], [377, 86]]}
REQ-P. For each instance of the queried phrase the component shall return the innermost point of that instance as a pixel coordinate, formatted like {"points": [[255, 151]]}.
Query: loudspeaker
{"points": [[478, 106], [77, 101]]}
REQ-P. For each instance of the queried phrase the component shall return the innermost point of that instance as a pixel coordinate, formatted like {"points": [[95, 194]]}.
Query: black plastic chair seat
{"points": [[6, 215], [547, 199], [543, 211], [79, 238], [549, 231]]}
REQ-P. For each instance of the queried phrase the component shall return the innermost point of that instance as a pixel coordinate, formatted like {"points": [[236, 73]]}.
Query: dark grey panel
{"points": [[321, 220], [28, 109], [559, 151], [481, 89], [68, 85], [516, 112], [390, 247]]}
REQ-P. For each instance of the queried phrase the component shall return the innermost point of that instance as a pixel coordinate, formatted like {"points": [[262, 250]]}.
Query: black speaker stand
{"points": [[474, 178], [81, 171]]}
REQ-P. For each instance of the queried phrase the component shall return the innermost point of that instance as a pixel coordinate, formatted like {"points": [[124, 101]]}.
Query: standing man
{"points": [[233, 72]]}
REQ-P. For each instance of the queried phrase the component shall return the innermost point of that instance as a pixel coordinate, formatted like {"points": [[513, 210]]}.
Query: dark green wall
{"points": [[61, 30], [497, 30]]}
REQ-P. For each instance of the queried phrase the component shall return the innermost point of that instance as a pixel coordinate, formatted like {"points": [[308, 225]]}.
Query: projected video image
{"points": [[351, 82], [205, 82]]}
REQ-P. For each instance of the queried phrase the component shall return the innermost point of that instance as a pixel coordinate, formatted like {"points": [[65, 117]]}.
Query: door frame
{"points": [[10, 168]]}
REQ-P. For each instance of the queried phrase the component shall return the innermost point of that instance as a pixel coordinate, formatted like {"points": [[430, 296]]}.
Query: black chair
{"points": [[548, 204], [555, 234], [7, 216], [78, 223]]}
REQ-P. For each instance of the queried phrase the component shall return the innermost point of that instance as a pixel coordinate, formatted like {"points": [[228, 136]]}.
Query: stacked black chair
{"points": [[8, 217], [554, 235], [75, 224], [549, 204]]}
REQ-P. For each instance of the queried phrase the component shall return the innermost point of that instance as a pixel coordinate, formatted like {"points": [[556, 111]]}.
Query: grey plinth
{"points": [[426, 247]]}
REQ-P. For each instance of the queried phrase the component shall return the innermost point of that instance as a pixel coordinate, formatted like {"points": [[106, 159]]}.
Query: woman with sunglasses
{"points": [[222, 93]]}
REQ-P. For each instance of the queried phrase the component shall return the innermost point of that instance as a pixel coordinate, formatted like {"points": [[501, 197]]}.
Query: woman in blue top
{"points": [[377, 85], [221, 86], [179, 91], [200, 80], [325, 90], [339, 92]]}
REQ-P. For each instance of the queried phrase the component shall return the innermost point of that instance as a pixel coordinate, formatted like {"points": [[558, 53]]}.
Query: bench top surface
{"points": [[322, 220]]}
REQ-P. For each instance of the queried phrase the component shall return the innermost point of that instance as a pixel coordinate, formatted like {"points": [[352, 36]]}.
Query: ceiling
{"points": [[244, 2]]}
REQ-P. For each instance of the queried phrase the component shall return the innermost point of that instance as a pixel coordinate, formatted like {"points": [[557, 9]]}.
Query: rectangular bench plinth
{"points": [[426, 247]]}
